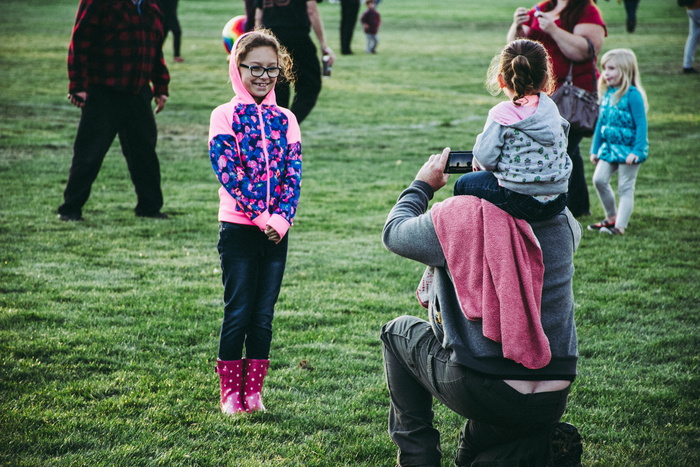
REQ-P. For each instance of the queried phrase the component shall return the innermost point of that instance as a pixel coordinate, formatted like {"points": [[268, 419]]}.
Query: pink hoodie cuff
{"points": [[262, 220], [278, 223]]}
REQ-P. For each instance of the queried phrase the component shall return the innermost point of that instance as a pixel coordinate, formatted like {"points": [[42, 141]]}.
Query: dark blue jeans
{"points": [[252, 268], [484, 185], [503, 423]]}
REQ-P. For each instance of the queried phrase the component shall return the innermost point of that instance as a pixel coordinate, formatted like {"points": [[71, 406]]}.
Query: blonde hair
{"points": [[265, 38], [626, 62], [524, 66]]}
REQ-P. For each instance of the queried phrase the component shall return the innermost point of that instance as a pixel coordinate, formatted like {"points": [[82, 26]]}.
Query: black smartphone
{"points": [[459, 162]]}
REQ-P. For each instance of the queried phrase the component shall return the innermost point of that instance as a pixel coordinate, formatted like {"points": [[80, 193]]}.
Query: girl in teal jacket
{"points": [[620, 142]]}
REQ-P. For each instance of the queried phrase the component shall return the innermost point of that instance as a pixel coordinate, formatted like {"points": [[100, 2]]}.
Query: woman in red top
{"points": [[564, 27]]}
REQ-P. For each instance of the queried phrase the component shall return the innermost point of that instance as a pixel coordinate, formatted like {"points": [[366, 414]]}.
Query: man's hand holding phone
{"points": [[433, 171]]}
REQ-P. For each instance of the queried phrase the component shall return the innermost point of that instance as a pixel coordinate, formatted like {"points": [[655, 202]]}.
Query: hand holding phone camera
{"points": [[459, 162]]}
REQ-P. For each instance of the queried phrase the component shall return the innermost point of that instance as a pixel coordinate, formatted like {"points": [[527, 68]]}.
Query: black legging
{"points": [[578, 201], [171, 23], [349, 10]]}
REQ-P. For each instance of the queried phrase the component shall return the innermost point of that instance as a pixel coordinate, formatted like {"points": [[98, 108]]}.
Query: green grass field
{"points": [[109, 327]]}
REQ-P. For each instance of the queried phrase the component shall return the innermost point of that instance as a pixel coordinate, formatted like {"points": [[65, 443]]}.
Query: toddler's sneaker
{"points": [[601, 225]]}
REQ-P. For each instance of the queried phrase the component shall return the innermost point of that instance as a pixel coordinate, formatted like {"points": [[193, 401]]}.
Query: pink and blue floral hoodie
{"points": [[255, 150]]}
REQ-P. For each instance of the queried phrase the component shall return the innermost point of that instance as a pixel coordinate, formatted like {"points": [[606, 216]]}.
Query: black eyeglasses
{"points": [[258, 71]]}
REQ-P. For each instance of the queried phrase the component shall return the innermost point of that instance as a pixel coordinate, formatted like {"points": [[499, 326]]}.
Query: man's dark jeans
{"points": [[417, 369]]}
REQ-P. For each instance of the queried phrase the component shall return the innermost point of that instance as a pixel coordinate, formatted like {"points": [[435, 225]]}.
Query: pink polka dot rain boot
{"points": [[231, 377], [256, 371]]}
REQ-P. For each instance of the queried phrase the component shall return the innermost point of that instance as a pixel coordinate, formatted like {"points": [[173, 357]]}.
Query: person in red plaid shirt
{"points": [[116, 69]]}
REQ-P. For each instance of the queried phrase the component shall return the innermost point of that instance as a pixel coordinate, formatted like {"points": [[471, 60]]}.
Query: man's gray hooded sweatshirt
{"points": [[409, 232]]}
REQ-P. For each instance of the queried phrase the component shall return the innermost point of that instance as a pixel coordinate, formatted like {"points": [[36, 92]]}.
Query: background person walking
{"points": [[115, 55], [172, 23], [349, 10], [371, 20], [691, 43], [620, 142], [291, 22]]}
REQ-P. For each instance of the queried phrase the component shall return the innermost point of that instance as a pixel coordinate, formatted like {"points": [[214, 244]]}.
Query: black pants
{"points": [[349, 10], [108, 113], [171, 23], [631, 11], [249, 15], [578, 201], [307, 70]]}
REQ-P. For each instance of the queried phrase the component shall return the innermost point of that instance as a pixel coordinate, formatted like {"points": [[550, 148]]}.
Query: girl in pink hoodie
{"points": [[255, 150]]}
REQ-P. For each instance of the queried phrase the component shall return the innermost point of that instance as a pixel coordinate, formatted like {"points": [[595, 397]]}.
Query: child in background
{"points": [[520, 158], [620, 142], [370, 22], [255, 150]]}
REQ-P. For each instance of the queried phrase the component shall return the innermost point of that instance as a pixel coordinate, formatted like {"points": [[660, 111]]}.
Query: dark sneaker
{"points": [[601, 225], [565, 446], [691, 70], [611, 231]]}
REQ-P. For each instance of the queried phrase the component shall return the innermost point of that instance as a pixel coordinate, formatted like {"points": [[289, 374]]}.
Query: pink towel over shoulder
{"points": [[496, 264]]}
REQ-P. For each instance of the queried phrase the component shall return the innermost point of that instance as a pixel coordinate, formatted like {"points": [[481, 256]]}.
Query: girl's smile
{"points": [[258, 86]]}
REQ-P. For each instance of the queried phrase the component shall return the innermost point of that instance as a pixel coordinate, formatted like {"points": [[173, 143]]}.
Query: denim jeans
{"points": [[484, 185], [252, 268], [372, 41], [503, 423]]}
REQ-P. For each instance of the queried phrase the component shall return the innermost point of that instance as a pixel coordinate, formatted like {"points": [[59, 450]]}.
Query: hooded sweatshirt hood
{"points": [[241, 93], [544, 126]]}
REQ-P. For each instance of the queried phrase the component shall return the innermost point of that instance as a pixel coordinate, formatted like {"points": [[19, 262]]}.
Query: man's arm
{"points": [[409, 230], [258, 18], [317, 25], [87, 25]]}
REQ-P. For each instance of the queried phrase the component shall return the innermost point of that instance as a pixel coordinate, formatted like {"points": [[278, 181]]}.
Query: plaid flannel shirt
{"points": [[118, 43]]}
